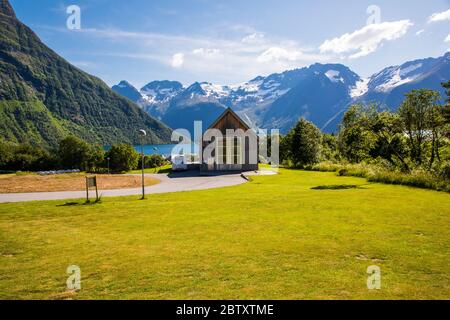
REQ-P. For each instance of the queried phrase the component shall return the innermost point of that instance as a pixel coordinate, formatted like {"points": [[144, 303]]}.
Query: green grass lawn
{"points": [[272, 238], [164, 169]]}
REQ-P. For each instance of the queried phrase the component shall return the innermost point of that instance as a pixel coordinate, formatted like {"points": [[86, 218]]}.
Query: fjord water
{"points": [[165, 149]]}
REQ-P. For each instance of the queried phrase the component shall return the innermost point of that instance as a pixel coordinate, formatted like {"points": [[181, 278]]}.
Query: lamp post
{"points": [[143, 133], [156, 150], [108, 163]]}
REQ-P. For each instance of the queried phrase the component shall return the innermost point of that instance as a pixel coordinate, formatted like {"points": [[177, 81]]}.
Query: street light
{"points": [[143, 133], [108, 163], [156, 150]]}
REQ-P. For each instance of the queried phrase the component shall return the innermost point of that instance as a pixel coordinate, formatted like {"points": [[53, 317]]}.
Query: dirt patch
{"points": [[68, 182]]}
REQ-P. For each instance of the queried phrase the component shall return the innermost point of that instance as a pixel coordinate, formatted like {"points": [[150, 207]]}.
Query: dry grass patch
{"points": [[67, 182]]}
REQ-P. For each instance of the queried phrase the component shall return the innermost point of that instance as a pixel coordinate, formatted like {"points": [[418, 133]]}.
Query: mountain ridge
{"points": [[7, 9], [320, 92], [43, 98]]}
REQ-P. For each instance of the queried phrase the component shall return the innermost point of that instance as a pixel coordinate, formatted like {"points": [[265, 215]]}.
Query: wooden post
{"points": [[96, 189], [91, 182], [87, 189]]}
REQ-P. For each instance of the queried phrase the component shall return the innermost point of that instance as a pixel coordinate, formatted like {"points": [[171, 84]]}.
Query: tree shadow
{"points": [[338, 187], [76, 204]]}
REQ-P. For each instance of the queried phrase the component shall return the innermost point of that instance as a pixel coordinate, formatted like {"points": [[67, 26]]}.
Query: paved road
{"points": [[187, 181]]}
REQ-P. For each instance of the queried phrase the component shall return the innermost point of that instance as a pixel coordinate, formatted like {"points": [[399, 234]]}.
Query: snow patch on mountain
{"points": [[259, 89], [333, 75], [409, 69], [215, 90], [360, 89], [397, 78], [158, 92]]}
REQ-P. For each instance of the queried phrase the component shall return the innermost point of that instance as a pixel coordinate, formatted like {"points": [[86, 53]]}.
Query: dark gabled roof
{"points": [[228, 110]]}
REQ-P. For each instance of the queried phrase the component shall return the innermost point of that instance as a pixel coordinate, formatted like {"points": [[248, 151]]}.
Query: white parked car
{"points": [[179, 163]]}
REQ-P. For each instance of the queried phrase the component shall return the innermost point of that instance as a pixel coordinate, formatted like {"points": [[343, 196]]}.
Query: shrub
{"points": [[123, 157], [154, 161], [445, 171], [378, 173]]}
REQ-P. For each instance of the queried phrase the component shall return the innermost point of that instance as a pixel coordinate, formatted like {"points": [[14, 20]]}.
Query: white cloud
{"points": [[367, 40], [418, 33], [279, 54], [255, 38], [439, 16], [206, 52], [447, 39], [177, 60], [234, 56]]}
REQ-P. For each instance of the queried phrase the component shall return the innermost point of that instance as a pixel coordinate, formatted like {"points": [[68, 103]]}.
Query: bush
{"points": [[123, 157], [378, 173], [325, 166], [154, 161], [444, 172]]}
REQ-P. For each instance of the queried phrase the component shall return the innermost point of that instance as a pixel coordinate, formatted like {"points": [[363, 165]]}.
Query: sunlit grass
{"points": [[163, 169], [272, 238]]}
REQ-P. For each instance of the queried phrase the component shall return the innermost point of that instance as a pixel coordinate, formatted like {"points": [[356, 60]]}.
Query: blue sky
{"points": [[230, 41]]}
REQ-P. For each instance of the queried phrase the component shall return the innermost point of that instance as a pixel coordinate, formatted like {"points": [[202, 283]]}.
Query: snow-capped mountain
{"points": [[321, 93], [262, 90], [390, 85], [160, 91], [157, 95], [392, 77]]}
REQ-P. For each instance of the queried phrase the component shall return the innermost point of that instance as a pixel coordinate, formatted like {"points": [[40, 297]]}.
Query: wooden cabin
{"points": [[226, 151]]}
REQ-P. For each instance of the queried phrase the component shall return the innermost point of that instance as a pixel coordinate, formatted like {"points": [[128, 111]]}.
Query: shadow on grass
{"points": [[338, 187], [85, 203], [164, 170]]}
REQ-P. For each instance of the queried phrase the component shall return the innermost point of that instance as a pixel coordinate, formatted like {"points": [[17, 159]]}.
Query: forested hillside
{"points": [[44, 98]]}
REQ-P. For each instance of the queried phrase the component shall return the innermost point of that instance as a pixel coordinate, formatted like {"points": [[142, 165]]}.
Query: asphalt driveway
{"points": [[176, 182]]}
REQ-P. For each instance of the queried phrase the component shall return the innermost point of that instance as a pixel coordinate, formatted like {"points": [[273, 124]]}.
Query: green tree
{"points": [[285, 148], [6, 154], [25, 157], [446, 107], [74, 153], [330, 150], [304, 143], [355, 138], [438, 128], [96, 158], [123, 157], [417, 114], [388, 130], [446, 85]]}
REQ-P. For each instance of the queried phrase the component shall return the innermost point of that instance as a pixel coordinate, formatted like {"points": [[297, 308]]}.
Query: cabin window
{"points": [[229, 150], [237, 150], [220, 150]]}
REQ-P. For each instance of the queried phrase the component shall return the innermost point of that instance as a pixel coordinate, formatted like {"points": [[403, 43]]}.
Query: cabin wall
{"points": [[230, 121]]}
